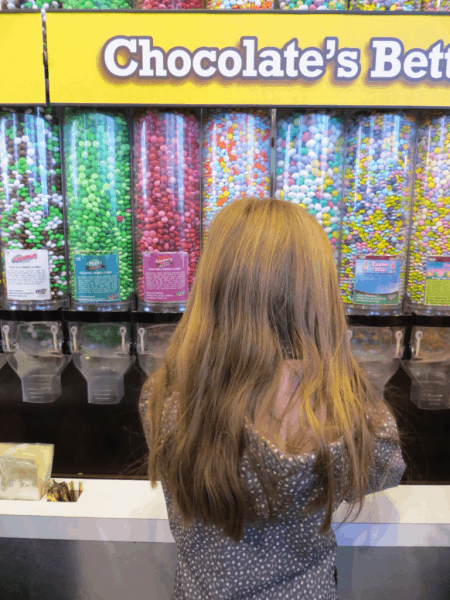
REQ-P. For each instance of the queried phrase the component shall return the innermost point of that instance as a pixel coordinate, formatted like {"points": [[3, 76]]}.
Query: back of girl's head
{"points": [[266, 290], [266, 275]]}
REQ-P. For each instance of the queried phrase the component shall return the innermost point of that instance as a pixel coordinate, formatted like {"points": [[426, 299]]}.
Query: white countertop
{"points": [[127, 510]]}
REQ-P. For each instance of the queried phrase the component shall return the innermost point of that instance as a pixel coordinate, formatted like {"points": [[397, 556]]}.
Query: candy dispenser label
{"points": [[27, 275], [97, 277], [377, 280], [437, 282], [165, 276]]}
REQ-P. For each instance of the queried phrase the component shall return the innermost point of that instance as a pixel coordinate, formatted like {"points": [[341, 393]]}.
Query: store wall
{"points": [[67, 570]]}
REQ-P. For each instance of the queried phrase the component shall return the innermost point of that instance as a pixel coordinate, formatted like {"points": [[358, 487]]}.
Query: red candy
{"points": [[167, 187]]}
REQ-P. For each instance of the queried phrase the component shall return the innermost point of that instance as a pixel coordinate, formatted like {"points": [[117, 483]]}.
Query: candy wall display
{"points": [[167, 206], [97, 4], [240, 4], [31, 209], [436, 5], [97, 173], [391, 5], [312, 4], [168, 4], [375, 230], [236, 158], [429, 259], [309, 157]]}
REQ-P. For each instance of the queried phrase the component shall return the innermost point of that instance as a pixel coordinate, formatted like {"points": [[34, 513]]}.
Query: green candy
{"points": [[96, 197]]}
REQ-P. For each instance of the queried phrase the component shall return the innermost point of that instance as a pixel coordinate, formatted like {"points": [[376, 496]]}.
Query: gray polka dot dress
{"points": [[288, 560]]}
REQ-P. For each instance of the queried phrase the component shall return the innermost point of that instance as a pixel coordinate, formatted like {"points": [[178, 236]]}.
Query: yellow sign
{"points": [[249, 59], [22, 79]]}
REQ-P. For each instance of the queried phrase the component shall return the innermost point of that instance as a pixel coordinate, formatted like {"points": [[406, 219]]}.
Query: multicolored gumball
{"points": [[236, 158], [378, 179]]}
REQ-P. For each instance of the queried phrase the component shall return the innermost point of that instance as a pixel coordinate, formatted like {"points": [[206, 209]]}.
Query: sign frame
{"points": [[269, 105]]}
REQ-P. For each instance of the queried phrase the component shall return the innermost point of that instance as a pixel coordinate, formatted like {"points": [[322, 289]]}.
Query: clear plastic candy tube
{"points": [[309, 152], [378, 179], [391, 5], [236, 158], [168, 4], [97, 171], [312, 5], [429, 259], [167, 205], [31, 209]]}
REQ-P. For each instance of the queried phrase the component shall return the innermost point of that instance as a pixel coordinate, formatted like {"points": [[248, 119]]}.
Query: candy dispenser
{"points": [[236, 158], [376, 214], [152, 343], [378, 350], [31, 210], [97, 171], [240, 4], [167, 207], [312, 4], [436, 5], [168, 4], [429, 367], [34, 351], [428, 286], [390, 5], [101, 352], [309, 154], [97, 4]]}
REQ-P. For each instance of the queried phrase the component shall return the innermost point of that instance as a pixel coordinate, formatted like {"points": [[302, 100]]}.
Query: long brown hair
{"points": [[266, 290]]}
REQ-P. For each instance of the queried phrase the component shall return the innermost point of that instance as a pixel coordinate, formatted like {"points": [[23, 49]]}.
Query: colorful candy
{"points": [[240, 4], [309, 165], [31, 201], [313, 4], [168, 4], [97, 170], [430, 234], [436, 5], [236, 158], [167, 194], [97, 4], [391, 5], [377, 193]]}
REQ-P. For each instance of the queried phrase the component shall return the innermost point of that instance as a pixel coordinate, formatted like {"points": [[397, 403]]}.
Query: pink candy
{"points": [[167, 187]]}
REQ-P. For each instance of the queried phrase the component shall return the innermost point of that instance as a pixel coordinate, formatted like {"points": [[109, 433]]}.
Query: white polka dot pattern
{"points": [[288, 560]]}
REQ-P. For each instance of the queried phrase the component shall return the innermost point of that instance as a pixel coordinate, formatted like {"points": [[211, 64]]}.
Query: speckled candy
{"points": [[378, 179], [97, 170], [168, 4], [436, 6], [31, 201], [313, 4], [236, 158], [97, 4], [391, 5], [430, 234], [240, 4], [309, 164], [167, 187]]}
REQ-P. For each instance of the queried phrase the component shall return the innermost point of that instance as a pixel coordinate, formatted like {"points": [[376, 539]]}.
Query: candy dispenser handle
{"points": [[399, 336], [123, 333], [54, 330], [141, 332], [418, 337], [74, 331], [5, 330]]}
